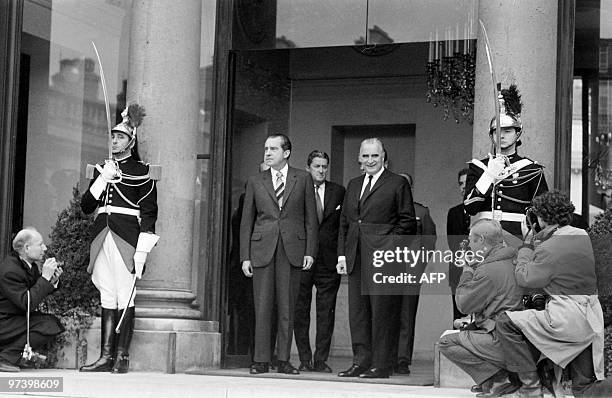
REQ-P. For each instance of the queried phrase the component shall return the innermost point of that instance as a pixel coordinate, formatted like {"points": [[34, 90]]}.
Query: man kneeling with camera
{"points": [[22, 288], [565, 323]]}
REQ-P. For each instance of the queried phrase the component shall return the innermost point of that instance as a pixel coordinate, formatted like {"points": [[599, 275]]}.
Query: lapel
{"points": [[289, 184], [266, 178], [329, 191], [29, 271], [379, 182], [358, 187]]}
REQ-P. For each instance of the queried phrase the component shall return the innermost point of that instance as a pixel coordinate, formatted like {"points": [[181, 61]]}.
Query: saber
{"points": [[118, 328], [108, 115], [496, 88]]}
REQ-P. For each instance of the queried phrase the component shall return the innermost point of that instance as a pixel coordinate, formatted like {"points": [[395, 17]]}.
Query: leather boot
{"points": [[531, 388], [122, 362], [107, 343]]}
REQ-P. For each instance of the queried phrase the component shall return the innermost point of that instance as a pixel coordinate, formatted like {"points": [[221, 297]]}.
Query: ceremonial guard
{"points": [[502, 186], [123, 194]]}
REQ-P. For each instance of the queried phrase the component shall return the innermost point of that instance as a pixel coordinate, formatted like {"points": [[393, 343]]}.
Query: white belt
{"points": [[505, 216], [108, 209]]}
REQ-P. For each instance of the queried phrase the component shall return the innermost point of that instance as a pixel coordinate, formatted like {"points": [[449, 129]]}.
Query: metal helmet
{"points": [[510, 110], [132, 118]]}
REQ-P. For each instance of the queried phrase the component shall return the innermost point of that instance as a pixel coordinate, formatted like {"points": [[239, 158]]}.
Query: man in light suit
{"points": [[378, 202], [278, 239], [323, 274]]}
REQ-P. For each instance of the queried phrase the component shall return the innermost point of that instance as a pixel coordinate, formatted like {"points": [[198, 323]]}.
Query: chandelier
{"points": [[451, 74]]}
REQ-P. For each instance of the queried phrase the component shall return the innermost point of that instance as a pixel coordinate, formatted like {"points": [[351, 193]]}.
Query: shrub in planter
{"points": [[601, 237], [76, 301]]}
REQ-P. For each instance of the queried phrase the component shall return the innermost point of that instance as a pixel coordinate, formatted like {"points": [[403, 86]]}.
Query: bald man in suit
{"points": [[278, 239], [378, 202]]}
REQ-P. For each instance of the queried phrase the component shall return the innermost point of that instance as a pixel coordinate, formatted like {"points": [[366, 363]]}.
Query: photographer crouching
{"points": [[568, 330], [23, 286]]}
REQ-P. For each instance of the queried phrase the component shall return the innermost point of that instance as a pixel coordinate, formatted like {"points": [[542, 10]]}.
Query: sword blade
{"points": [[105, 92], [495, 90]]}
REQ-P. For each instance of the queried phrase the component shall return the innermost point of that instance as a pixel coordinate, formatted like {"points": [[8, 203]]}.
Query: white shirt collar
{"points": [[284, 170], [26, 261]]}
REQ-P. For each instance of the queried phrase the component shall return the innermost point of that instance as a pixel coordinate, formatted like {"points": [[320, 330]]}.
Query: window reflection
{"points": [[62, 114]]}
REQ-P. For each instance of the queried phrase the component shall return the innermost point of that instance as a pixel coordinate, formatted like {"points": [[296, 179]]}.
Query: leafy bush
{"points": [[601, 237], [77, 300]]}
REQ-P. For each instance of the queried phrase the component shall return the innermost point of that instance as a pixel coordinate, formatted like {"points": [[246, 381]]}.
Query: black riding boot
{"points": [[107, 343], [122, 363]]}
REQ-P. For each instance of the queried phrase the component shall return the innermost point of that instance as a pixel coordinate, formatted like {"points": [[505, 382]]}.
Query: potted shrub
{"points": [[601, 237]]}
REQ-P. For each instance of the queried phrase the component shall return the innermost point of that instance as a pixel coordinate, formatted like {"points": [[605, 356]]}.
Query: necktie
{"points": [[319, 204], [280, 188], [366, 191]]}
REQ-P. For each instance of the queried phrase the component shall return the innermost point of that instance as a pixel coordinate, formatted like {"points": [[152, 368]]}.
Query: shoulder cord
{"points": [[147, 194]]}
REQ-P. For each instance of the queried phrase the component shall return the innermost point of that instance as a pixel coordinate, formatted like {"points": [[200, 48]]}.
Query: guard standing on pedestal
{"points": [[123, 190]]}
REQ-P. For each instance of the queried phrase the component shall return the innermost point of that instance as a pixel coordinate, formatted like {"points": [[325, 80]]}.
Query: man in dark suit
{"points": [[20, 274], [377, 202], [278, 239], [457, 229], [323, 275]]}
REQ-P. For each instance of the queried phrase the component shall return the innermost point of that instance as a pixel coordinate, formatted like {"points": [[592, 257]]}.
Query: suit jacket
{"points": [[16, 278], [263, 223], [387, 209], [426, 227], [328, 229], [457, 229]]}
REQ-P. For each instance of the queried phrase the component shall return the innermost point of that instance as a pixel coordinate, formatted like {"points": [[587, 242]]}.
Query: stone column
{"points": [[523, 36], [164, 66]]}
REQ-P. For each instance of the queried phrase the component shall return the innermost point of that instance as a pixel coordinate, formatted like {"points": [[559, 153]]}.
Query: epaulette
{"points": [[155, 172], [89, 171]]}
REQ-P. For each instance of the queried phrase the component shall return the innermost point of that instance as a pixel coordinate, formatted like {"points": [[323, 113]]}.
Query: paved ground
{"points": [[137, 384]]}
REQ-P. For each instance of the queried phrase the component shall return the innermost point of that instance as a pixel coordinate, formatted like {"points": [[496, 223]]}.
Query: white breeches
{"points": [[111, 277]]}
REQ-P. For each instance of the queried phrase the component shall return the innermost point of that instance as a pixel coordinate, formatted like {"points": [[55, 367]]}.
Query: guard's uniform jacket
{"points": [[125, 208], [511, 197]]}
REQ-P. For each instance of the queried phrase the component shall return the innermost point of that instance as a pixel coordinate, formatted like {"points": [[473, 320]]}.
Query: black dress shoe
{"points": [[6, 366], [305, 366], [321, 366], [375, 373], [286, 368], [259, 368], [353, 371], [403, 368]]}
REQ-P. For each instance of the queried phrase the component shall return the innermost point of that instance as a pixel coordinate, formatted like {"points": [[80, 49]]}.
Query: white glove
{"points": [[139, 262], [109, 172], [494, 173]]}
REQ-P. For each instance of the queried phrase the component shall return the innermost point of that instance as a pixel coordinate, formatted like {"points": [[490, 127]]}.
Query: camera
{"points": [[532, 220], [535, 301]]}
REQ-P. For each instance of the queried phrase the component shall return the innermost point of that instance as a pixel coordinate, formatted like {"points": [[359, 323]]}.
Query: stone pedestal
{"points": [[523, 38], [447, 374], [166, 345]]}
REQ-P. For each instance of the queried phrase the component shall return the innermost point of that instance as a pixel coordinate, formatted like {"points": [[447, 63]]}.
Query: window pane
{"points": [[64, 126]]}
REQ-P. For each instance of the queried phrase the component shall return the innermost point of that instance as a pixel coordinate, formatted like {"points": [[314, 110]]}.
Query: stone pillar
{"points": [[523, 36], [164, 64], [163, 76]]}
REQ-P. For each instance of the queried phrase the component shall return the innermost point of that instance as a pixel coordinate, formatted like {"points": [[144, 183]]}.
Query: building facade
{"points": [[217, 76]]}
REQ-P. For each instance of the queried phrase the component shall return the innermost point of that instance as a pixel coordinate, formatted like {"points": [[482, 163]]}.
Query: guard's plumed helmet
{"points": [[132, 118], [510, 110]]}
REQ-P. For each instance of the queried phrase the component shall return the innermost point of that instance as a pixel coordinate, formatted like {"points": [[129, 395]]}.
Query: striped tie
{"points": [[280, 188]]}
